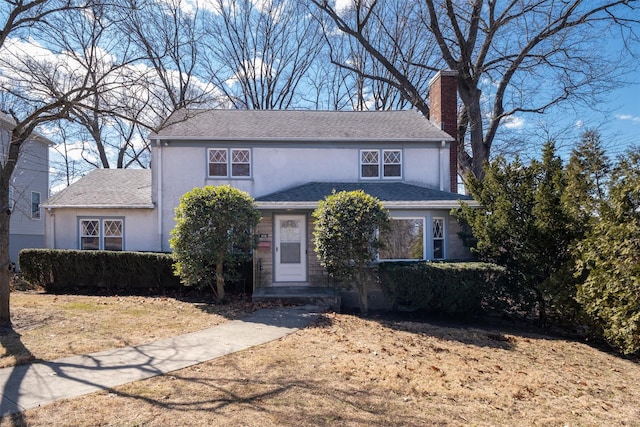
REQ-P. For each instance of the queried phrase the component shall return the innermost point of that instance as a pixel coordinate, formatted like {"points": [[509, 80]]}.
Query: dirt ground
{"points": [[345, 370]]}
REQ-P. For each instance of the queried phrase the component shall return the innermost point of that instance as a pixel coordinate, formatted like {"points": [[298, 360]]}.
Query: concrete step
{"points": [[300, 295]]}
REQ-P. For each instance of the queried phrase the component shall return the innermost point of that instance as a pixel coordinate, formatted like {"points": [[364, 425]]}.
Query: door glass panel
{"points": [[290, 241], [290, 253]]}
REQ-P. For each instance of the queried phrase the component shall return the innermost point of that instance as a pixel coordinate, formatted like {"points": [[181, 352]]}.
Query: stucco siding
{"points": [[178, 168], [140, 231]]}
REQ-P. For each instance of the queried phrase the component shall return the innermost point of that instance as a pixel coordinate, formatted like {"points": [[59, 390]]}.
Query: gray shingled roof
{"points": [[107, 188], [384, 191], [300, 125]]}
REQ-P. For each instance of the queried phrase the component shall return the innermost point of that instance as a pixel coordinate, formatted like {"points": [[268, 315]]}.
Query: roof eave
{"points": [[299, 139], [62, 206], [409, 204]]}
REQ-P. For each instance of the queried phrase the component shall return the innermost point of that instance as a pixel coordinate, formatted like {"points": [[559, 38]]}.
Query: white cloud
{"points": [[513, 122], [343, 5], [628, 117]]}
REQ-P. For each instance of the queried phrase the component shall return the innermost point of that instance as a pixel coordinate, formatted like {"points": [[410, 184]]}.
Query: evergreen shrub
{"points": [[442, 288], [59, 270]]}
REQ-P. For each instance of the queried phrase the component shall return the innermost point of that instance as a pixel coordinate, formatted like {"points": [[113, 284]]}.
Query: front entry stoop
{"points": [[300, 295]]}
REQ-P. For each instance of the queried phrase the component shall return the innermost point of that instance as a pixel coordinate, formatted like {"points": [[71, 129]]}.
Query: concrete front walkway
{"points": [[29, 386]]}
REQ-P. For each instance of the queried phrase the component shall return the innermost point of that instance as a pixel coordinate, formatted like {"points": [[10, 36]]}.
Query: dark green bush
{"points": [[58, 270], [456, 288]]}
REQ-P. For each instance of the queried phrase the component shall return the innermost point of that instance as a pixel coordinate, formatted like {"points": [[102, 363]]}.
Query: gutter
{"points": [[425, 204], [231, 138], [147, 206]]}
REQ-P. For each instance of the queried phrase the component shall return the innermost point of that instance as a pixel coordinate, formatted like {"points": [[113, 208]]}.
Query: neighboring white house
{"points": [[28, 189], [287, 161]]}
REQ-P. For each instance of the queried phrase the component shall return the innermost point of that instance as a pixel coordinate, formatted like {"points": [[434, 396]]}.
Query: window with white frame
{"points": [[102, 234], [403, 240], [438, 238], [369, 164], [11, 198], [380, 164], [392, 163], [112, 231], [35, 205], [217, 162], [234, 162]]}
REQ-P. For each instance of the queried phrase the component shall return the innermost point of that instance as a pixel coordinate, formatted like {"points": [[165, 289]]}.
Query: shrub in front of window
{"points": [[443, 288], [214, 228], [346, 236]]}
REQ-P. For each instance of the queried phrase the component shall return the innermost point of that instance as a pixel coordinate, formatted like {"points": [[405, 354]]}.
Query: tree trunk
{"points": [[219, 281], [480, 149], [5, 264], [362, 293]]}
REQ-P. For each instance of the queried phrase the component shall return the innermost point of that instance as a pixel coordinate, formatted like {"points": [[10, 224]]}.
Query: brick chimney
{"points": [[443, 110]]}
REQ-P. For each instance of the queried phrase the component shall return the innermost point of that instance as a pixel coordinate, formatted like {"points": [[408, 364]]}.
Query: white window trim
{"points": [[361, 164], [36, 215], [230, 163], [101, 235], [11, 198], [381, 164], [444, 237]]}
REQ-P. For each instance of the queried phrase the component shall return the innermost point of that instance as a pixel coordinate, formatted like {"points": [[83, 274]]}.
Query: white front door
{"points": [[290, 248]]}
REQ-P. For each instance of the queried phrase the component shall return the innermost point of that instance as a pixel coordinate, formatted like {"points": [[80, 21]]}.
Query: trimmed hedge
{"points": [[442, 288], [59, 270]]}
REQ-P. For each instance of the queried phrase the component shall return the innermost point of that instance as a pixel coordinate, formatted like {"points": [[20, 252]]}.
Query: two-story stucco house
{"points": [[29, 187], [287, 161]]}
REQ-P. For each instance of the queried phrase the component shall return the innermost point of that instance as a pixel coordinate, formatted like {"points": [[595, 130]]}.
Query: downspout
{"points": [[159, 193], [441, 170], [52, 224]]}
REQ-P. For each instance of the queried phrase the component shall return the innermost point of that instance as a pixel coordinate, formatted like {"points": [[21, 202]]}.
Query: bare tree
{"points": [[42, 83], [511, 57], [169, 35], [161, 42], [260, 52], [390, 35]]}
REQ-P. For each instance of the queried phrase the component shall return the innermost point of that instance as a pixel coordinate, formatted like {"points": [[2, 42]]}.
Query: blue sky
{"points": [[625, 115], [617, 117], [620, 122]]}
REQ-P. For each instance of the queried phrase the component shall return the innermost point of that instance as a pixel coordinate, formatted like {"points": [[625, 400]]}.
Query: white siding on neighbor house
{"points": [[180, 166], [30, 175], [140, 230]]}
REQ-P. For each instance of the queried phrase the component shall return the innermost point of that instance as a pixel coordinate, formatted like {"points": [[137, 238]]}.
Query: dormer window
{"points": [[233, 162], [380, 164]]}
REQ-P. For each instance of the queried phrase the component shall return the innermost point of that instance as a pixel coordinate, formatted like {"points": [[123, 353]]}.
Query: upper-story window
{"points": [[35, 205], [380, 164], [11, 197], [233, 162]]}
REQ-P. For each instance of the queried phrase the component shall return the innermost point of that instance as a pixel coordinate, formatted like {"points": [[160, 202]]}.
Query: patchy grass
{"points": [[348, 371], [48, 327]]}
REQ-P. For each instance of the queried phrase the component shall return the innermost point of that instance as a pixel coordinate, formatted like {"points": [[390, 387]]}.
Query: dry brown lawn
{"points": [[350, 371], [48, 327]]}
